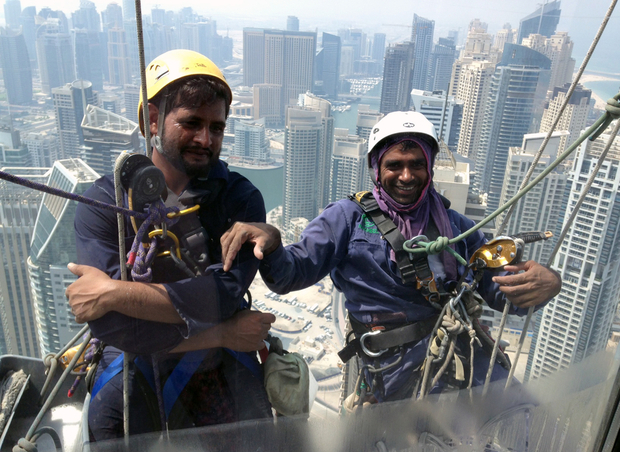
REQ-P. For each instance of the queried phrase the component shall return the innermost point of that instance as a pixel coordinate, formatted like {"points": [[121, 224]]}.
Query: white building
{"points": [[542, 208], [51, 249], [18, 212], [349, 170], [445, 112], [574, 117]]}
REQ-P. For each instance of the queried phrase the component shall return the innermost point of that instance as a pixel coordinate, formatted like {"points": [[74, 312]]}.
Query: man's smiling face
{"points": [[403, 173]]}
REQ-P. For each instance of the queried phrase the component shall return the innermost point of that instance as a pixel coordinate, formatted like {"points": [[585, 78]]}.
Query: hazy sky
{"points": [[580, 18]]}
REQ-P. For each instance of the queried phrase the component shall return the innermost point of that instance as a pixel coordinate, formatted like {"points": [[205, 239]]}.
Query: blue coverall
{"points": [[344, 243], [228, 392]]}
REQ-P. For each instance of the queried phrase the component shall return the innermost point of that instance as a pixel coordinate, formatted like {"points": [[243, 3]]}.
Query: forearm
{"points": [[210, 338], [142, 301]]}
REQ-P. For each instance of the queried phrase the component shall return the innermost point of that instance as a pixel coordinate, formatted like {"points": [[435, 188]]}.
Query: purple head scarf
{"points": [[412, 219]]}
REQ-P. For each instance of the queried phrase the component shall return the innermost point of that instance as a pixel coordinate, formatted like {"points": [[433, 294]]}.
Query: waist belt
{"points": [[375, 341]]}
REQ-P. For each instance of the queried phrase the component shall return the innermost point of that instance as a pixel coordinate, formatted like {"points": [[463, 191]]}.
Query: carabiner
{"points": [[183, 212], [365, 349]]}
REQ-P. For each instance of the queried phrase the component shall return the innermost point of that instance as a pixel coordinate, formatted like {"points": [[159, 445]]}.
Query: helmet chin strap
{"points": [[156, 140]]}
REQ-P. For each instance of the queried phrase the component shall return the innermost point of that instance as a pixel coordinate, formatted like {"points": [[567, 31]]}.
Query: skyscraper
{"points": [[397, 79], [440, 65], [51, 249], [251, 143], [308, 142], [12, 12], [503, 36], [477, 48], [349, 170], [87, 17], [55, 56], [445, 112], [15, 65], [422, 38], [559, 49], [542, 208], [88, 57], [378, 47], [574, 117], [518, 90], [70, 103], [543, 21], [267, 103], [106, 135], [131, 97], [292, 23], [118, 57], [43, 148], [330, 71], [474, 85], [18, 212], [277, 57], [578, 322]]}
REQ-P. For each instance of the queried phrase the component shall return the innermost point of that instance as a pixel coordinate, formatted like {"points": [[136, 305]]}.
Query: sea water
{"points": [[605, 89]]}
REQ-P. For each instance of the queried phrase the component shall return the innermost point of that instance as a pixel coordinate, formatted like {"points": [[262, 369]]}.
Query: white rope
{"points": [[524, 184]]}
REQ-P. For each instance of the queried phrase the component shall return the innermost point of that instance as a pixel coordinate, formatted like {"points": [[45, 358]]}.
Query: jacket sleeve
{"points": [[324, 243], [201, 302]]}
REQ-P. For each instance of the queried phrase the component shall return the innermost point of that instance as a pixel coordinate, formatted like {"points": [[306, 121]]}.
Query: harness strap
{"points": [[409, 268], [385, 339], [180, 376]]}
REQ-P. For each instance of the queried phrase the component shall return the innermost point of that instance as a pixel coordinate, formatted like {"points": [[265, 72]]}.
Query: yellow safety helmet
{"points": [[175, 65]]}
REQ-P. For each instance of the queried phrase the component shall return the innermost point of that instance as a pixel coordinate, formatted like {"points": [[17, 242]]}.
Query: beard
{"points": [[179, 159]]}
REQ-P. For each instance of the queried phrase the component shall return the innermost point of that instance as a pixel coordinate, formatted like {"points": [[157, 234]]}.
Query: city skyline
{"points": [[580, 19]]}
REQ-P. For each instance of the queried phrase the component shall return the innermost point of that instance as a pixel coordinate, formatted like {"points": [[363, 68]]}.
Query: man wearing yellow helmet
{"points": [[188, 101]]}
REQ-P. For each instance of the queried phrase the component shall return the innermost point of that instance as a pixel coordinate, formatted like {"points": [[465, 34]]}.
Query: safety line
{"points": [[72, 196]]}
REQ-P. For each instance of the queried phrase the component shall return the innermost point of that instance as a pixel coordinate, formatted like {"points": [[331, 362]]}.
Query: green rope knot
{"points": [[613, 108], [438, 245]]}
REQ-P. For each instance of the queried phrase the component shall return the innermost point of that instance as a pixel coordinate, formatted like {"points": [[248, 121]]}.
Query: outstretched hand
{"points": [[246, 330], [531, 285], [86, 295], [265, 238]]}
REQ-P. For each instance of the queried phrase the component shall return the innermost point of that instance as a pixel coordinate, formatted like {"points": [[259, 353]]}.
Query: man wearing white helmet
{"points": [[366, 263]]}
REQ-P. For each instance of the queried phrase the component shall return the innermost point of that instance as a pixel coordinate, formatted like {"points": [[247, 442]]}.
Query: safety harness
{"points": [[182, 252], [373, 341]]}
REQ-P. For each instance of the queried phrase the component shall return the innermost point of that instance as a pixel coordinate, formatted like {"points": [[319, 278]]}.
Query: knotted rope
{"points": [[141, 257]]}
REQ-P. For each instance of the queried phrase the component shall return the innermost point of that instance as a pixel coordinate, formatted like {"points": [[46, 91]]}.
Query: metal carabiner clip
{"points": [[366, 350]]}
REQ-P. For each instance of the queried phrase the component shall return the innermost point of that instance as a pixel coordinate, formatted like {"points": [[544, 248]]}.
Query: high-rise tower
{"points": [[277, 57], [15, 65], [543, 21], [51, 249], [106, 135], [422, 38], [308, 142], [18, 212], [577, 323], [518, 90], [55, 56], [349, 170], [397, 79], [574, 117], [70, 103]]}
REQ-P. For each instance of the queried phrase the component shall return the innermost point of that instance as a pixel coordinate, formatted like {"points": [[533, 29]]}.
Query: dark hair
{"points": [[194, 92]]}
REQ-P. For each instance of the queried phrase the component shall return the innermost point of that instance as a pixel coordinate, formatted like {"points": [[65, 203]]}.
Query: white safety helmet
{"points": [[402, 123]]}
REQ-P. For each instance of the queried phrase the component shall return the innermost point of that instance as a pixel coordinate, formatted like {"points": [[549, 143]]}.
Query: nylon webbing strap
{"points": [[386, 339], [389, 231]]}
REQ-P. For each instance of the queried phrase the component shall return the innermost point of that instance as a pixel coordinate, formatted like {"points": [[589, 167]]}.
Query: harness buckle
{"points": [[365, 349]]}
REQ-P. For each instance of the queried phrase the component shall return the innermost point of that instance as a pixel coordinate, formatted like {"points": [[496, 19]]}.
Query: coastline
{"points": [[593, 76]]}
